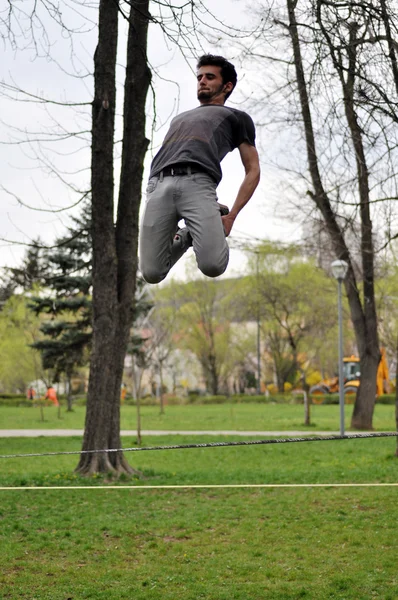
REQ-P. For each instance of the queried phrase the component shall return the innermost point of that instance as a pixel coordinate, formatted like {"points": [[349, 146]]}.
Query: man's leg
{"points": [[158, 227], [199, 207]]}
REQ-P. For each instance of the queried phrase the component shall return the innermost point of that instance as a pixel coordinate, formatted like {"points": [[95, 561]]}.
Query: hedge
{"points": [[335, 399], [169, 400], [22, 400]]}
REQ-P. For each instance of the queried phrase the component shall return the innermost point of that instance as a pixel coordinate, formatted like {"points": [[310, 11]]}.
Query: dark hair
{"points": [[228, 72]]}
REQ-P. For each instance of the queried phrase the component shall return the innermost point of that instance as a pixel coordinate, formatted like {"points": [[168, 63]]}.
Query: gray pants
{"points": [[171, 198]]}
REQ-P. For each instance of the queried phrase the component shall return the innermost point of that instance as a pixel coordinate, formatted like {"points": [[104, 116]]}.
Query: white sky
{"points": [[19, 170]]}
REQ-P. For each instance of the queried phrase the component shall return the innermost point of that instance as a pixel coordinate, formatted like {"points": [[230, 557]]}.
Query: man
{"points": [[31, 393], [185, 173], [51, 395]]}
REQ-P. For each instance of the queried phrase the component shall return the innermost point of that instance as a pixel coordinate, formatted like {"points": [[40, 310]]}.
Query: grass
{"points": [[223, 544], [191, 545], [254, 417], [343, 461], [210, 544]]}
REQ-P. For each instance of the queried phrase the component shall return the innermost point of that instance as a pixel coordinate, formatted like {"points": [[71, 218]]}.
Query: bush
{"points": [[22, 400], [219, 399], [386, 399], [170, 400], [335, 399], [14, 400]]}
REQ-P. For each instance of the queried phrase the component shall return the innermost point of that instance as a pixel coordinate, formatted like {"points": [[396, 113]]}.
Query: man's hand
{"points": [[228, 221]]}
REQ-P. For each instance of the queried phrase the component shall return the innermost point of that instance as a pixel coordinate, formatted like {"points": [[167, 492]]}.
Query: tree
{"points": [[204, 327], [295, 304], [19, 329], [66, 298], [114, 247], [31, 273], [337, 89]]}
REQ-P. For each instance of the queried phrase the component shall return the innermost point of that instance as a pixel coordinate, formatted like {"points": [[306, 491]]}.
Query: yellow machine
{"points": [[352, 374]]}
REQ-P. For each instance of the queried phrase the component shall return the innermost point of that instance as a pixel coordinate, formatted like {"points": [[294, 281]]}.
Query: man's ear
{"points": [[228, 87]]}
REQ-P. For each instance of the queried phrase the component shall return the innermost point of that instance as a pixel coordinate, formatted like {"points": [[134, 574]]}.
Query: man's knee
{"points": [[212, 269], [152, 276], [150, 271]]}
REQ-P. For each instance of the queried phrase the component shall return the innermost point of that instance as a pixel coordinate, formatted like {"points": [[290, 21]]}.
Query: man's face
{"points": [[211, 89]]}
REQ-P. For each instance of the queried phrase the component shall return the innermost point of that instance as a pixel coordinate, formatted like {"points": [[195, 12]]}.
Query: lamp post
{"points": [[258, 329], [339, 270]]}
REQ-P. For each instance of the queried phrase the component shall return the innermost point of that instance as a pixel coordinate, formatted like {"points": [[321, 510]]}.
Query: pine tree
{"points": [[66, 299], [32, 272]]}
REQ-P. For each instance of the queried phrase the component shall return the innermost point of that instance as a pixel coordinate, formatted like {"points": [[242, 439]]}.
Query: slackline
{"points": [[212, 444]]}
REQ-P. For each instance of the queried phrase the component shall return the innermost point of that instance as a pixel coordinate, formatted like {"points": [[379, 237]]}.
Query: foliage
{"points": [[295, 302], [19, 329], [66, 300], [29, 275], [204, 327]]}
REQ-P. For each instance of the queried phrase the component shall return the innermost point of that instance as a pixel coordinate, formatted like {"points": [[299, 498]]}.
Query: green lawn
{"points": [[254, 417], [343, 461], [211, 544], [191, 545]]}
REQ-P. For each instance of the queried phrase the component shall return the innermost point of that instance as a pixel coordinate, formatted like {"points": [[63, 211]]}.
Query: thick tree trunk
{"points": [[362, 416], [114, 249], [370, 353]]}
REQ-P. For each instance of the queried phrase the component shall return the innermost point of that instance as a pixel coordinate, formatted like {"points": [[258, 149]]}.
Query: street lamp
{"points": [[339, 270], [258, 329]]}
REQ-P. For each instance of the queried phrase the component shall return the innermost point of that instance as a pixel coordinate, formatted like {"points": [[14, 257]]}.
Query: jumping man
{"points": [[185, 174]]}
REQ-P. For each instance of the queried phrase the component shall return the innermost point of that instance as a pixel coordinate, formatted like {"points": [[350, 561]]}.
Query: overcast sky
{"points": [[175, 92]]}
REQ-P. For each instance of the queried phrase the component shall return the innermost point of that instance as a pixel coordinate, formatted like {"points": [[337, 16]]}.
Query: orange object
{"points": [[30, 394], [123, 392], [51, 395]]}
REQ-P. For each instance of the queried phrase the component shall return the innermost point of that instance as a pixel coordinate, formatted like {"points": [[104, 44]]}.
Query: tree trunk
{"points": [[362, 416], [69, 393], [213, 373], [161, 395], [396, 400], [114, 249], [368, 344], [363, 319]]}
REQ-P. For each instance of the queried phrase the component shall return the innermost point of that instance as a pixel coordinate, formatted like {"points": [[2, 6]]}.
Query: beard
{"points": [[204, 95], [207, 95]]}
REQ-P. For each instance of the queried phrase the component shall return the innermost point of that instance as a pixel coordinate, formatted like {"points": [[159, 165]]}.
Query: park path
{"points": [[7, 433]]}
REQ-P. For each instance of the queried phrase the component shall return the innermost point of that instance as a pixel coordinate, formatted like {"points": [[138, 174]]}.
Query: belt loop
{"points": [[189, 170], [161, 176]]}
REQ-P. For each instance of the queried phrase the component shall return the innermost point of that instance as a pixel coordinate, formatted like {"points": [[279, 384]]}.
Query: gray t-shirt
{"points": [[202, 137]]}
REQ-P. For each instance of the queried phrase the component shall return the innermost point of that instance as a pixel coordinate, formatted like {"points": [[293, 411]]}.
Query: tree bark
{"points": [[114, 248], [69, 401], [396, 401], [370, 350]]}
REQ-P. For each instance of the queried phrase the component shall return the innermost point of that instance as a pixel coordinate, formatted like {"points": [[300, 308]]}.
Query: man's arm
{"points": [[249, 157]]}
